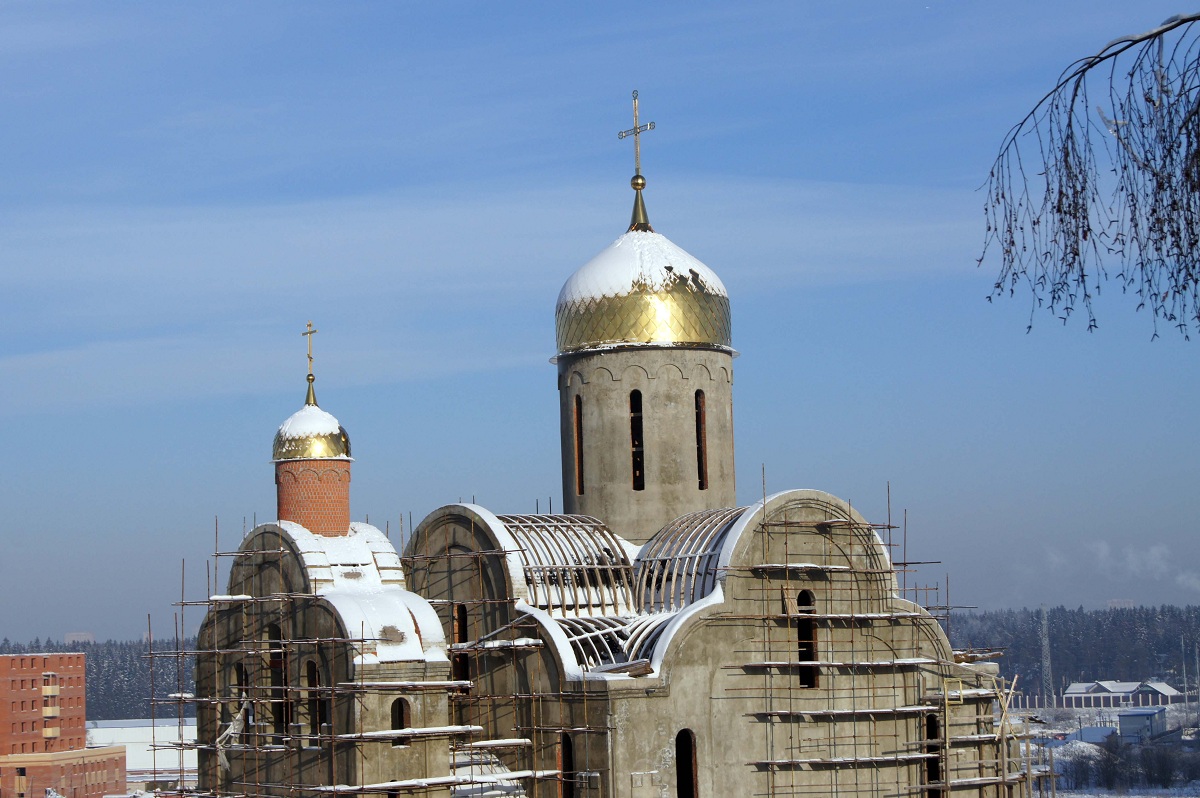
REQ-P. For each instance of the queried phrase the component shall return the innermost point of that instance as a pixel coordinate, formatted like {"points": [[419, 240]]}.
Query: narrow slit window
{"points": [[566, 766], [277, 669], [701, 443], [933, 763], [460, 663], [578, 445], [318, 701], [637, 440], [806, 638], [243, 694], [685, 764]]}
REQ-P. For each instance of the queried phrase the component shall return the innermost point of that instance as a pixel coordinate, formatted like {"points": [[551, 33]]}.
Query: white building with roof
{"points": [[1108, 693]]}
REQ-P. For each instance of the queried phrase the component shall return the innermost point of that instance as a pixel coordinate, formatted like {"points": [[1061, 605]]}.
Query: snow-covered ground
{"points": [[1047, 722], [1079, 762], [1133, 792]]}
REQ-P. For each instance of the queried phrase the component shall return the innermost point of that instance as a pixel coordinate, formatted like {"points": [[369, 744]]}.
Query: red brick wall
{"points": [[25, 711], [76, 774], [315, 494]]}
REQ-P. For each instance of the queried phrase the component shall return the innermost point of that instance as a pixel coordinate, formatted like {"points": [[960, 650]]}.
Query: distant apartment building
{"points": [[43, 731]]}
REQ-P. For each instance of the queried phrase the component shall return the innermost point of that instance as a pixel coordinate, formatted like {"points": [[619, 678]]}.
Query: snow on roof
{"points": [[1119, 687], [360, 575], [363, 559], [394, 625], [1158, 687], [637, 260], [1111, 686], [308, 421]]}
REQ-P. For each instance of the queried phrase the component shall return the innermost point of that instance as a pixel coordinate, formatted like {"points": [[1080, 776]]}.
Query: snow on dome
{"points": [[308, 421], [311, 433], [636, 258], [642, 289]]}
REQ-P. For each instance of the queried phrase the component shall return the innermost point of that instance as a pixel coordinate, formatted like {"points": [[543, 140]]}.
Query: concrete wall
{"points": [[875, 721], [268, 644], [668, 379]]}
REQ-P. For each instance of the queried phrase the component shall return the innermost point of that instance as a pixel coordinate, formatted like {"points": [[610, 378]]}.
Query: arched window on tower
{"points": [[637, 441], [401, 719], [685, 764], [701, 443], [578, 445], [806, 638]]}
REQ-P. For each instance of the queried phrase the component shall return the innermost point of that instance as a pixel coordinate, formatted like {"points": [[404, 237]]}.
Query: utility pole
{"points": [[1047, 676], [1183, 657]]}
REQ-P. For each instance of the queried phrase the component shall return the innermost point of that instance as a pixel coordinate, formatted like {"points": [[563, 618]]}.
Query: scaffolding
{"points": [[842, 685], [854, 694]]}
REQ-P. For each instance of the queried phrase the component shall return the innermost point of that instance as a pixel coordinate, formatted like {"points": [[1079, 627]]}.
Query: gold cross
{"points": [[636, 131], [309, 334]]}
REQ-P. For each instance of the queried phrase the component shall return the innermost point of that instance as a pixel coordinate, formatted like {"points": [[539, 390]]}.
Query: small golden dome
{"points": [[642, 290], [311, 434]]}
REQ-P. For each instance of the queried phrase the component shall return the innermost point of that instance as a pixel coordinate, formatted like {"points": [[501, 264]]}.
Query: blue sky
{"points": [[186, 185]]}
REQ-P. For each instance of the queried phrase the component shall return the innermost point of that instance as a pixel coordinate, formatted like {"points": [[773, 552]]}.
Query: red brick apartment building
{"points": [[43, 731]]}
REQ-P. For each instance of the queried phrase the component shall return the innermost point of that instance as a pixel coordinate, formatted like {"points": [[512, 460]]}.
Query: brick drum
{"points": [[315, 494]]}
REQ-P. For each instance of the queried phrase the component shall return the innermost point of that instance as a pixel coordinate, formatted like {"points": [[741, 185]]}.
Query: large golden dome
{"points": [[311, 434], [642, 290]]}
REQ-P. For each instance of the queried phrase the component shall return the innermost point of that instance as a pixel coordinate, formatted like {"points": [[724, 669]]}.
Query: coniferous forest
{"points": [[119, 675], [1123, 644]]}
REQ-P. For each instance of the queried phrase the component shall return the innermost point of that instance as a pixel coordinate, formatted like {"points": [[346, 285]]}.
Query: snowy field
{"points": [[1134, 792], [1131, 768]]}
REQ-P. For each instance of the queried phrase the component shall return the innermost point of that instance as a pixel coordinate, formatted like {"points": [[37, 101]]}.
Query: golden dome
{"points": [[311, 434], [642, 290]]}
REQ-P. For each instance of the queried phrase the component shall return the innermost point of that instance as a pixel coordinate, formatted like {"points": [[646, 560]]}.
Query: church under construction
{"points": [[655, 639]]}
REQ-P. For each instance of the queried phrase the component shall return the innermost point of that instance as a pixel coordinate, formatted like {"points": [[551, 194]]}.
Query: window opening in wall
{"points": [[701, 443], [566, 766], [460, 663], [242, 691], [281, 704], [401, 719], [685, 764], [318, 703], [933, 765], [636, 440], [806, 638], [578, 445]]}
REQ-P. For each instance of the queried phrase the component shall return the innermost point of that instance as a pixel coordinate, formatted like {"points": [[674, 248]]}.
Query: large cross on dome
{"points": [[636, 131], [309, 333]]}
